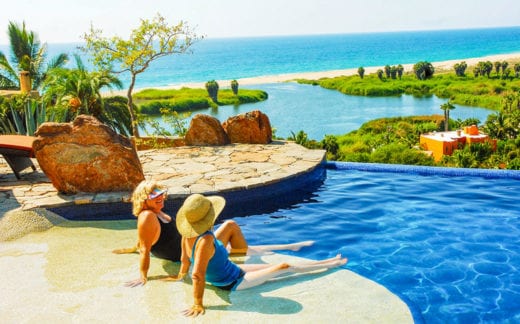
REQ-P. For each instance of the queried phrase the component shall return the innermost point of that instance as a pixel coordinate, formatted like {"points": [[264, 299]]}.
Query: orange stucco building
{"points": [[444, 143]]}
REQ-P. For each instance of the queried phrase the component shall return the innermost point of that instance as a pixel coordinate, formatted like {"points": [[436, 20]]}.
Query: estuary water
{"points": [[292, 107]]}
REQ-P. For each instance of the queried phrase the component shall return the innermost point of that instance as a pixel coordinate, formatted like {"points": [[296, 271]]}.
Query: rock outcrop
{"points": [[205, 130], [250, 128], [86, 156]]}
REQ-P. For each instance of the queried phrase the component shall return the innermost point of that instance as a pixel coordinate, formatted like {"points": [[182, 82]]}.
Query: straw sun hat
{"points": [[198, 214]]}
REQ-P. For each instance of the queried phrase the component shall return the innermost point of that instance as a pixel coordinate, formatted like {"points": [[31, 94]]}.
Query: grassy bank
{"points": [[151, 101], [468, 90]]}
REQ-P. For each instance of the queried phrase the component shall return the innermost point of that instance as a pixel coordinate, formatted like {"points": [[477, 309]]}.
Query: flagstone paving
{"points": [[184, 170]]}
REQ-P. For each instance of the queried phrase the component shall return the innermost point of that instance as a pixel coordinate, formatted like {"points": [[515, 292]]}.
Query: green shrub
{"points": [[514, 164]]}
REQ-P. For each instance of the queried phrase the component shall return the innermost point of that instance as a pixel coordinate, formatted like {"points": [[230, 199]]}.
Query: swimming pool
{"points": [[448, 244], [445, 240]]}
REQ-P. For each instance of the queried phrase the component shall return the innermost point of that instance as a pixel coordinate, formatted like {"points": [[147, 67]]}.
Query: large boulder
{"points": [[205, 130], [250, 128], [86, 156]]}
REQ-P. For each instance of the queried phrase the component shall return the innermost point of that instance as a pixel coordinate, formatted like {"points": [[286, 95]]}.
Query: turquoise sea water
{"points": [[234, 58]]}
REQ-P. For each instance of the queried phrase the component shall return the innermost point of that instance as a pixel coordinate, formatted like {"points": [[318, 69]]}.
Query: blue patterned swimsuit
{"points": [[221, 272]]}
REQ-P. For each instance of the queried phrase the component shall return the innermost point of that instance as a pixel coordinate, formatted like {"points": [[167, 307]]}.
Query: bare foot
{"points": [[317, 265], [297, 246], [326, 261]]}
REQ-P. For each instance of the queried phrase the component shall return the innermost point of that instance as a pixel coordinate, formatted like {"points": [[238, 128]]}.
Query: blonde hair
{"points": [[141, 193]]}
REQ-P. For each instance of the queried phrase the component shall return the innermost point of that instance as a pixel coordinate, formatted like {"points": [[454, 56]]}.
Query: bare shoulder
{"points": [[205, 248], [146, 218], [148, 228], [206, 242]]}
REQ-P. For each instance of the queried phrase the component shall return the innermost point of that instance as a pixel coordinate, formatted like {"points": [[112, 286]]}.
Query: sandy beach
{"points": [[439, 66]]}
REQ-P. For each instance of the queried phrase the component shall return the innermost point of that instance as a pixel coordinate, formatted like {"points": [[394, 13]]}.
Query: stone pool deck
{"points": [[184, 170], [37, 287]]}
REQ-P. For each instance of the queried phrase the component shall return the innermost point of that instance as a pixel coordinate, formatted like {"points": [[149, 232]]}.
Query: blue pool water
{"points": [[445, 240], [448, 245]]}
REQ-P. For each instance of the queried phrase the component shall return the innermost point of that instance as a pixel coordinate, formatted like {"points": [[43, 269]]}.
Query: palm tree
{"points": [[504, 67], [234, 87], [212, 88], [78, 90], [460, 68], [423, 70], [361, 72], [387, 71], [447, 107], [400, 70], [393, 71], [517, 69], [498, 65], [27, 54], [380, 74], [496, 125]]}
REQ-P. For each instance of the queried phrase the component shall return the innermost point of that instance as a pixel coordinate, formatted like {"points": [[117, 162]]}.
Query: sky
{"points": [[64, 21]]}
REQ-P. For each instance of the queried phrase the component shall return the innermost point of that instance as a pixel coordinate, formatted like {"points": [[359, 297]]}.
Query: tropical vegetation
{"points": [[78, 91], [152, 40], [27, 54], [396, 140], [68, 92]]}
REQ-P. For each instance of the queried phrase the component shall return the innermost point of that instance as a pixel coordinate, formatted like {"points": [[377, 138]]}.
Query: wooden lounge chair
{"points": [[17, 151]]}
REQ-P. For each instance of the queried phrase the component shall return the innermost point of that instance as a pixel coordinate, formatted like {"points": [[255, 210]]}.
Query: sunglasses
{"points": [[157, 193]]}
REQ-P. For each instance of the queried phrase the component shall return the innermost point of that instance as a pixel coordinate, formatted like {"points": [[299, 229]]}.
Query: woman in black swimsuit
{"points": [[157, 232]]}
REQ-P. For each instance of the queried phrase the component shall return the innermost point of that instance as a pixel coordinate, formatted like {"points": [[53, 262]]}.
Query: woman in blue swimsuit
{"points": [[209, 256], [157, 232]]}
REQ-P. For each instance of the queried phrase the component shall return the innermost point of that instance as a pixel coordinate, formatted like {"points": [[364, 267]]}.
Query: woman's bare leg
{"points": [[249, 267], [267, 272], [336, 261], [261, 249], [230, 234]]}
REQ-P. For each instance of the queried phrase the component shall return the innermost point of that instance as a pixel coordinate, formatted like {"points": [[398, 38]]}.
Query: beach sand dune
{"points": [[439, 66]]}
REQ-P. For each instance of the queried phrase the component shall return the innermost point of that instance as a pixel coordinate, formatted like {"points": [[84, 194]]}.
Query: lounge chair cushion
{"points": [[18, 142], [17, 151]]}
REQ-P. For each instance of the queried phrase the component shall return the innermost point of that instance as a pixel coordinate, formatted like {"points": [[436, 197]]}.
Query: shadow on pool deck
{"points": [[60, 272]]}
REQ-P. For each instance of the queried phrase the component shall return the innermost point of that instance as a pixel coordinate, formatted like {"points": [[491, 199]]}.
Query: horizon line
{"points": [[319, 34]]}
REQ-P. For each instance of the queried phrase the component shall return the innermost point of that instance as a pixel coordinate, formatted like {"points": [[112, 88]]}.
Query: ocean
{"points": [[235, 58], [319, 112]]}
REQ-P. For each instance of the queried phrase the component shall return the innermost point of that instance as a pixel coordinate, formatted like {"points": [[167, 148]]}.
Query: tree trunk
{"points": [[446, 120], [25, 82], [135, 129]]}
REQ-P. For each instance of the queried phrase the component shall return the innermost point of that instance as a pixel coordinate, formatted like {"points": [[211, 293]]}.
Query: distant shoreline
{"points": [[442, 65]]}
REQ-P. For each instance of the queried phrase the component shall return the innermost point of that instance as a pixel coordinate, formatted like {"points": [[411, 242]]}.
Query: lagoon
{"points": [[292, 107]]}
